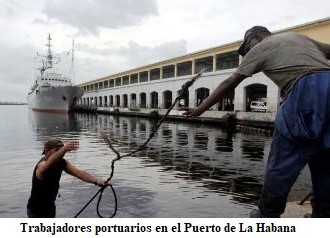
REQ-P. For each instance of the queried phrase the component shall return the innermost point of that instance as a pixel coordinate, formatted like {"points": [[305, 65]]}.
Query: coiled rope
{"points": [[184, 89]]}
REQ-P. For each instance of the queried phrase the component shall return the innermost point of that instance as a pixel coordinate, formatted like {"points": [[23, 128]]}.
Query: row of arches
{"points": [[164, 99], [134, 100]]}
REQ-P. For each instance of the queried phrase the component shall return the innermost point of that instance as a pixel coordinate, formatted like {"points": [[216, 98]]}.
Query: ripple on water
{"points": [[187, 170]]}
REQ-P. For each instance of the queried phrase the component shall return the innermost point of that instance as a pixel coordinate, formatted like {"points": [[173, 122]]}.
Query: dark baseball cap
{"points": [[52, 143], [244, 49]]}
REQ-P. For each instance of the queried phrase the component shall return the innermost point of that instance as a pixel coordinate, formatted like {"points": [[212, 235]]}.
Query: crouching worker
{"points": [[46, 178]]}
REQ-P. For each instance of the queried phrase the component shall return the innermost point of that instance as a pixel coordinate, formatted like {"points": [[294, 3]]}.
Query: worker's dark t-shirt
{"points": [[43, 193], [284, 58]]}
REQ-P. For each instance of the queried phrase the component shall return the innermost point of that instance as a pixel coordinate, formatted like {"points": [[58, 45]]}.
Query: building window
{"points": [[168, 72], [204, 63], [144, 76], [106, 84], [227, 60], [111, 83], [134, 78], [125, 100], [185, 68], [118, 82], [143, 100], [201, 94], [154, 100], [126, 80], [154, 74]]}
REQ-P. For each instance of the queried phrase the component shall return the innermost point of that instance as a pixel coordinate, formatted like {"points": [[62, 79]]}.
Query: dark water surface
{"points": [[188, 170]]}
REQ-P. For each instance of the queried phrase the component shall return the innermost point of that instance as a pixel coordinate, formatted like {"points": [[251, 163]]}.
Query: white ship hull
{"points": [[60, 99]]}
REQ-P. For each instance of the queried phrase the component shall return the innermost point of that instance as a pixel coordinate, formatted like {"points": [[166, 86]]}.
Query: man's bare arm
{"points": [[225, 86], [55, 158], [84, 175]]}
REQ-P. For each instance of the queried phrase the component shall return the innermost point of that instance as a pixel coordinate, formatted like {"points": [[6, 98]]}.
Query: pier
{"points": [[244, 121]]}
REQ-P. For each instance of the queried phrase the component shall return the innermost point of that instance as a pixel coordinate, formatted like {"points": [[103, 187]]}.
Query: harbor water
{"points": [[187, 170]]}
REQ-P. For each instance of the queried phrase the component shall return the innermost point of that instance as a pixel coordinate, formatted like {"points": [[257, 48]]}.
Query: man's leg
{"points": [[320, 172], [30, 214], [283, 167], [299, 123]]}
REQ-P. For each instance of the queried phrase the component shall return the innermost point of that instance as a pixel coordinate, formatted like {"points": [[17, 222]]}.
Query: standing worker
{"points": [[46, 178], [299, 66]]}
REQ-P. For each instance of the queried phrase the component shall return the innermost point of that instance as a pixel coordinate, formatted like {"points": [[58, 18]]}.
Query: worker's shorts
{"points": [[301, 136]]}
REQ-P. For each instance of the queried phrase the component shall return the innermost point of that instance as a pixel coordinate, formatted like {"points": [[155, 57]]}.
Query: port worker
{"points": [[299, 66], [47, 174]]}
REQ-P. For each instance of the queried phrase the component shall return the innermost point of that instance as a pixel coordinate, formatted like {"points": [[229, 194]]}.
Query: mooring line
{"points": [[141, 147]]}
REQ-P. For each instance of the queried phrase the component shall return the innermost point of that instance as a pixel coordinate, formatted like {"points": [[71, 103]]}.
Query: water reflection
{"points": [[52, 124], [222, 162], [224, 144], [187, 170], [253, 150]]}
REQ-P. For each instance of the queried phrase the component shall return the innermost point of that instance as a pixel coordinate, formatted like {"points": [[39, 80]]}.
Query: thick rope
{"points": [[185, 88]]}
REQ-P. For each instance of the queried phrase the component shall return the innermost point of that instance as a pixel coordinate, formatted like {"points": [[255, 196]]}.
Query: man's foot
{"points": [[255, 213], [308, 215]]}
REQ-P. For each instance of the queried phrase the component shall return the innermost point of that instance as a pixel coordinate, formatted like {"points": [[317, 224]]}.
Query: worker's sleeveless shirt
{"points": [[43, 193]]}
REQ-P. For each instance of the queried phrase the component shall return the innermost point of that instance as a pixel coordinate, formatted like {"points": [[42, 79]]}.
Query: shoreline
{"points": [[245, 121], [13, 103]]}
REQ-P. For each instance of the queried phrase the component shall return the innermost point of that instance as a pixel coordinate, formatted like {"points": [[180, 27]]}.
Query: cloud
{"points": [[141, 55], [16, 71], [106, 61], [90, 16], [8, 8], [17, 62]]}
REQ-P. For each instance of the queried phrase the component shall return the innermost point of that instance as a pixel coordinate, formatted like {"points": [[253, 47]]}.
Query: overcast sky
{"points": [[116, 35]]}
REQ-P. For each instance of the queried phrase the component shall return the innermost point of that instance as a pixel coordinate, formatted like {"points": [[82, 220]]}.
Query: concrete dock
{"points": [[294, 210], [246, 121]]}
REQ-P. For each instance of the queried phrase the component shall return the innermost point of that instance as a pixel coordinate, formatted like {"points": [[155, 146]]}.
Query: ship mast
{"points": [[49, 54], [72, 75], [48, 58]]}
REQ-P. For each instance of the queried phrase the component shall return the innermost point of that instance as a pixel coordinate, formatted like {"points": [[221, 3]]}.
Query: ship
{"points": [[51, 90]]}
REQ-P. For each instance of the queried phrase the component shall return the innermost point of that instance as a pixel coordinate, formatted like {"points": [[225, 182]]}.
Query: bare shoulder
{"points": [[41, 168]]}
